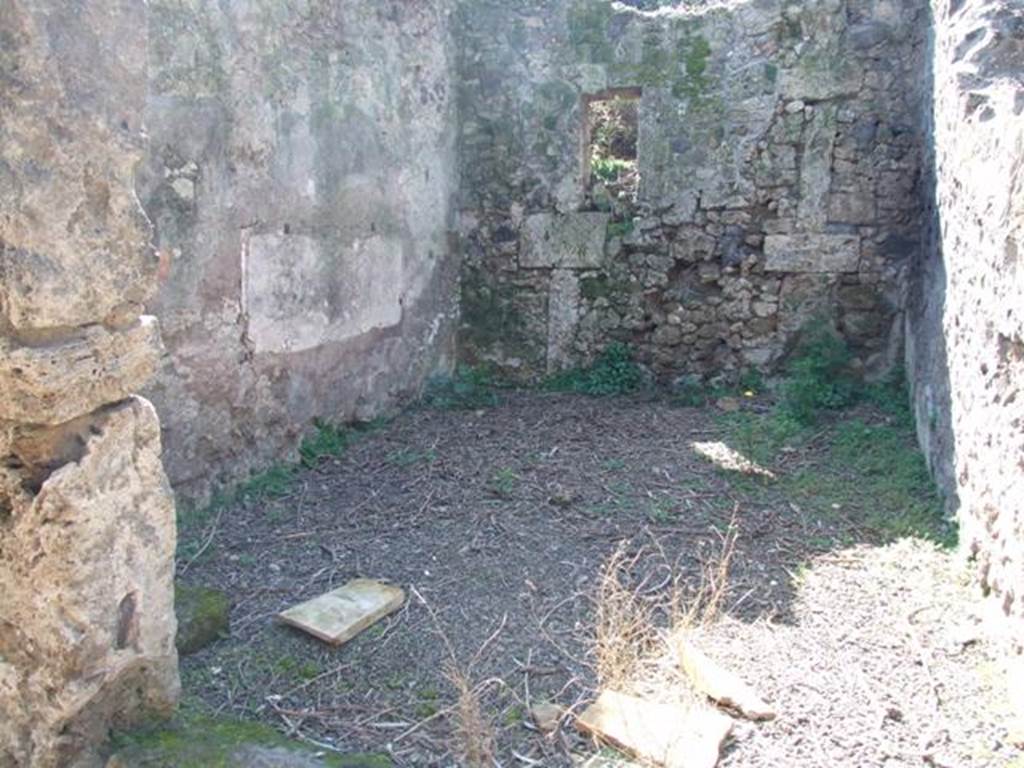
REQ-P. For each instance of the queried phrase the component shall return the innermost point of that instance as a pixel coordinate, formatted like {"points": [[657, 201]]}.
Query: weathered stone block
{"points": [[566, 241], [811, 253], [298, 296], [54, 383], [852, 206], [816, 168], [563, 318], [74, 242], [92, 642]]}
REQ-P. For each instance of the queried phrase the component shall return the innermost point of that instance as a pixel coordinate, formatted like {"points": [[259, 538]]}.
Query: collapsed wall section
{"points": [[87, 522], [778, 155], [300, 172], [966, 325]]}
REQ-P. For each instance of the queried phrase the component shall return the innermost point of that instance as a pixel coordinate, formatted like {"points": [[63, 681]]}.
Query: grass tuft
{"points": [[327, 441]]}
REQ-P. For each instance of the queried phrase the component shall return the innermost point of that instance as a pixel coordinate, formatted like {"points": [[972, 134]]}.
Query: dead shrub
{"points": [[474, 731], [624, 630]]}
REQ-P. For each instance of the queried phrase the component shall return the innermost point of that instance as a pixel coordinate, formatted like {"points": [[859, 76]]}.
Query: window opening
{"points": [[611, 171]]}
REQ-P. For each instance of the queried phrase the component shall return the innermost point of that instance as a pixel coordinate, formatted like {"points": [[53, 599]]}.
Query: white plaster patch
{"points": [[298, 295]]}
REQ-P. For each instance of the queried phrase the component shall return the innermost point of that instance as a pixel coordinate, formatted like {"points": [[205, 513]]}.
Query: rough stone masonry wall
{"points": [[779, 153], [300, 176], [966, 327], [86, 516]]}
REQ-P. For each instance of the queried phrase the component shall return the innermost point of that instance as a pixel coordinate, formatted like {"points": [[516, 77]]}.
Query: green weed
{"points": [[660, 512], [609, 169], [272, 483], [888, 469], [197, 739], [870, 473], [762, 437], [613, 373], [504, 482], [289, 666], [327, 441], [471, 388], [689, 392], [276, 482], [818, 377], [751, 381], [406, 457], [620, 228], [514, 715]]}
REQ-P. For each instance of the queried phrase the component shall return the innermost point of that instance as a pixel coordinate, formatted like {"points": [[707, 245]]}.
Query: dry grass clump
{"points": [[636, 624], [624, 630], [700, 607]]}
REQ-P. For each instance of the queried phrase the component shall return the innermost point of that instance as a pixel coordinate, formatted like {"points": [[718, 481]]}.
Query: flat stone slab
{"points": [[338, 616], [719, 684], [811, 253], [664, 734], [564, 240]]}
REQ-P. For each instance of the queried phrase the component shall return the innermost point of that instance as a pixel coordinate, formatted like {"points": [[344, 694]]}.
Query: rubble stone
{"points": [[87, 625], [53, 383]]}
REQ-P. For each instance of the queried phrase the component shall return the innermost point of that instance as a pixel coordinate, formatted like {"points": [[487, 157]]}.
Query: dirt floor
{"points": [[497, 522]]}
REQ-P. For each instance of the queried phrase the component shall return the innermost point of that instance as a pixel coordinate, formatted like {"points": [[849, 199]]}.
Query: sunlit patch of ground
{"points": [[724, 457], [883, 664]]}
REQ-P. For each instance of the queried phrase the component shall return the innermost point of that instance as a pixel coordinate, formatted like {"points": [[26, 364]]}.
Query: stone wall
{"points": [[300, 172], [966, 327], [86, 515], [779, 156]]}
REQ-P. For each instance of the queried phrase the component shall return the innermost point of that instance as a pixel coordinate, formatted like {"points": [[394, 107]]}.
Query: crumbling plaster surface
{"points": [[87, 523], [966, 327], [779, 153], [300, 176]]}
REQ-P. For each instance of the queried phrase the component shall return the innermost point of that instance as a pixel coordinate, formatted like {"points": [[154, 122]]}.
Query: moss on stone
{"points": [[588, 30], [560, 94], [656, 66], [696, 57], [202, 617], [197, 740], [601, 286], [693, 52]]}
